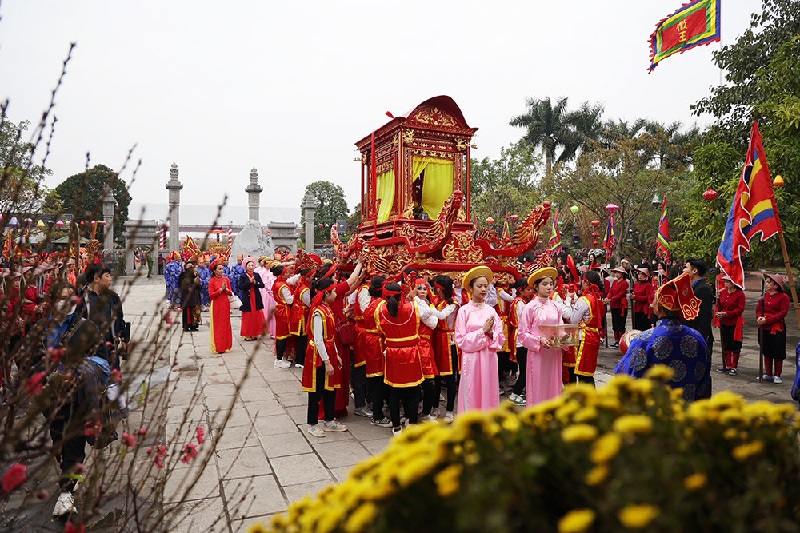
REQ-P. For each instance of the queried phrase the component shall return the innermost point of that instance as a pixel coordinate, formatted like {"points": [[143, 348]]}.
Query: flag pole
{"points": [[789, 275]]}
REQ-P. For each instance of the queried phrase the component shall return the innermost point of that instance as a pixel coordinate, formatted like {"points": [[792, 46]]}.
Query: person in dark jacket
{"points": [[70, 351], [189, 288], [697, 268], [249, 283]]}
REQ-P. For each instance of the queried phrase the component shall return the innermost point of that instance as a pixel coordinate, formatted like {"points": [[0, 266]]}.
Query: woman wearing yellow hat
{"points": [[479, 334], [543, 379]]}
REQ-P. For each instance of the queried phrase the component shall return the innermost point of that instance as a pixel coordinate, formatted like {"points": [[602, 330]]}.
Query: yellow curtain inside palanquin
{"points": [[438, 184], [385, 194]]}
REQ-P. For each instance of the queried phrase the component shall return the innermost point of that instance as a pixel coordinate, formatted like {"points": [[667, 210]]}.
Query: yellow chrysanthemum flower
{"points": [[259, 527], [579, 433], [596, 475], [743, 451], [585, 414], [363, 515], [695, 482], [638, 516], [447, 481], [606, 448], [576, 521], [730, 434], [633, 424], [511, 423]]}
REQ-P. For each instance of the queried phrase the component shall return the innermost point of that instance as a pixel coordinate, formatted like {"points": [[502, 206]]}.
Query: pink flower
{"points": [[116, 376], [142, 432], [35, 383], [14, 477], [201, 435], [148, 450], [128, 439], [43, 495], [188, 452]]}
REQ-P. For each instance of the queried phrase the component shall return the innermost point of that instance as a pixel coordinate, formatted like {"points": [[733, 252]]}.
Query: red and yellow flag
{"points": [[693, 24]]}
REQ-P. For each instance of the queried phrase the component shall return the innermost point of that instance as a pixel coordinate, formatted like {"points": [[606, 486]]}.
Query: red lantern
{"points": [[594, 243], [490, 220], [595, 234], [595, 223], [710, 195]]}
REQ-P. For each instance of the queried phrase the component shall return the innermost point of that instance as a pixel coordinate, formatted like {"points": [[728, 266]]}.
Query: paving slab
{"points": [[296, 469], [243, 462]]}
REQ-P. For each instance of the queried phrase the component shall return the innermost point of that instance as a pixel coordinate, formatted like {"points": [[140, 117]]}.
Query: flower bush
{"points": [[630, 456]]}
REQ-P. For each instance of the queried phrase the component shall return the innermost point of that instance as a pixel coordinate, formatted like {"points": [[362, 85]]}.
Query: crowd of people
{"points": [[398, 344]]}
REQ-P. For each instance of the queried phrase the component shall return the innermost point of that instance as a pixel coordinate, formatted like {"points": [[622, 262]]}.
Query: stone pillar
{"points": [[174, 186], [109, 203], [253, 191], [310, 205]]}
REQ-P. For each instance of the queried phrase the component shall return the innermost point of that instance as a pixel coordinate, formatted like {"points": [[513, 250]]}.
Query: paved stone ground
{"points": [[265, 459]]}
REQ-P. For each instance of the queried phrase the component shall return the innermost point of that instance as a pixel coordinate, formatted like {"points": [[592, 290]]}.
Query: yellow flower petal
{"points": [[576, 521], [606, 448], [695, 482], [638, 516], [633, 424], [579, 433]]}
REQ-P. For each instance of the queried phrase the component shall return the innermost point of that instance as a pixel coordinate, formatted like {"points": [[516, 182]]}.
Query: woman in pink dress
{"points": [[479, 334], [266, 294], [544, 363]]}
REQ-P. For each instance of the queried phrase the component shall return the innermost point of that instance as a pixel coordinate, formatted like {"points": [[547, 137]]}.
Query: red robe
{"points": [[440, 342], [774, 308], [732, 303], [220, 315], [359, 350], [298, 312], [282, 309], [313, 359], [618, 295], [426, 356], [586, 356], [401, 337], [372, 342]]}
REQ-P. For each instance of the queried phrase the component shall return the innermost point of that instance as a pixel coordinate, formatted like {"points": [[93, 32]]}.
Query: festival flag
{"points": [[693, 24], [753, 211], [555, 235], [506, 229], [662, 239], [8, 246], [610, 239]]}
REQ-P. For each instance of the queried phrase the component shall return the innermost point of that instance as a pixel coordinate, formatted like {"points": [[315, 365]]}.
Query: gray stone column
{"points": [[310, 205], [253, 191], [109, 202], [174, 186]]}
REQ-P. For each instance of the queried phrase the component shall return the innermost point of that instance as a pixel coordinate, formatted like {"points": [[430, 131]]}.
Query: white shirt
{"points": [[429, 315], [319, 337]]}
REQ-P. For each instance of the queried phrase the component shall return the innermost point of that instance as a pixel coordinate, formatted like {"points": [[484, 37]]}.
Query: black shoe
{"points": [[723, 369], [614, 345]]}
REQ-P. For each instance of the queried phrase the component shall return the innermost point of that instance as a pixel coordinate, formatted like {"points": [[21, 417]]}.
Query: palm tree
{"points": [[549, 128], [675, 147]]}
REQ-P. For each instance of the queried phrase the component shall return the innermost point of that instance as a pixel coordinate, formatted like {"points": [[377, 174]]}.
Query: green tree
{"points": [[763, 83], [736, 104], [332, 206], [22, 190], [82, 196], [559, 133], [506, 185], [615, 174]]}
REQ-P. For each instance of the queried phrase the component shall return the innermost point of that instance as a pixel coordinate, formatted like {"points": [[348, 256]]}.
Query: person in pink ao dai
{"points": [[544, 362], [479, 334]]}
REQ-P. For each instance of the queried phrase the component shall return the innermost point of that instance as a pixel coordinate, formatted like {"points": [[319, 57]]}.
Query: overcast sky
{"points": [[288, 87]]}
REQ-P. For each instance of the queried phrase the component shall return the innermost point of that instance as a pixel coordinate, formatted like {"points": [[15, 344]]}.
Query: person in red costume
{"points": [[771, 314], [323, 365], [343, 288], [397, 322], [219, 291], [729, 315], [588, 311], [642, 299], [617, 299]]}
